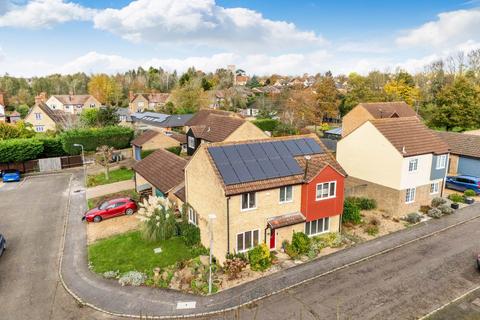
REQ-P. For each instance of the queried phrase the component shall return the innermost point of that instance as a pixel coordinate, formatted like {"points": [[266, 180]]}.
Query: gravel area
{"points": [[111, 227]]}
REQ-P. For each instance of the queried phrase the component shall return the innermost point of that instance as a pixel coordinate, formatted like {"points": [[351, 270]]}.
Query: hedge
{"points": [[116, 137], [175, 149], [266, 124], [19, 150], [52, 147], [146, 153]]}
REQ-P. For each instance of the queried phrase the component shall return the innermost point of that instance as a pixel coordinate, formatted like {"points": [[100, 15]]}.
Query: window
{"points": [[92, 105], [120, 204], [192, 217], [317, 226], [286, 194], [39, 128], [326, 190], [434, 187], [413, 165], [410, 195], [140, 104], [441, 161], [191, 142], [248, 201], [247, 240], [38, 116]]}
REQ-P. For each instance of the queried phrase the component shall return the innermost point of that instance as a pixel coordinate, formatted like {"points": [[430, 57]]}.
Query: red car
{"points": [[111, 208]]}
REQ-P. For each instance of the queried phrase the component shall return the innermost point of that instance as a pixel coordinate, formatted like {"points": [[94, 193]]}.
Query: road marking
{"points": [[186, 305], [428, 315]]}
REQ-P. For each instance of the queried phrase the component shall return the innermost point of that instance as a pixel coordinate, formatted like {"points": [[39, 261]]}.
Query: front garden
{"points": [[116, 175]]}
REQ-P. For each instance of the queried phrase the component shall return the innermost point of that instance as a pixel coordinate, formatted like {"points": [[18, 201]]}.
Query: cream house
{"points": [[73, 104], [140, 102], [156, 139], [42, 118], [397, 161]]}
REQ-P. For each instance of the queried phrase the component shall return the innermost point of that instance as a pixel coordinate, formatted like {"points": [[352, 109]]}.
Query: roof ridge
{"points": [[264, 140]]}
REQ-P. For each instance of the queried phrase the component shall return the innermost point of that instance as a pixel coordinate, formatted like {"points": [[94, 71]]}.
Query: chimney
{"points": [[2, 101], [307, 160]]}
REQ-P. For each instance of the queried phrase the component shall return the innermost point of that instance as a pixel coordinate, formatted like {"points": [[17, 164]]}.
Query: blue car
{"points": [[462, 183], [3, 244], [10, 175]]}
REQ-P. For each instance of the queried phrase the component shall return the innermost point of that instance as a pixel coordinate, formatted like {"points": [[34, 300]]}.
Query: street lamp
{"points": [[83, 163], [211, 217]]}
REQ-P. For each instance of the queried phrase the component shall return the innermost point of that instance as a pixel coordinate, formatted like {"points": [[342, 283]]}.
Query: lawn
{"points": [[115, 176], [128, 252], [94, 202]]}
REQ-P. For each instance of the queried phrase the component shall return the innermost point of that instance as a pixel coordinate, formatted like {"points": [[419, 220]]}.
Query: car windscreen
{"points": [[9, 171], [103, 205]]}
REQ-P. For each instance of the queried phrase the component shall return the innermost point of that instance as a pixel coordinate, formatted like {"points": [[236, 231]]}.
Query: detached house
{"points": [[140, 102], [397, 161], [261, 191], [209, 126], [464, 153], [73, 104], [42, 118]]}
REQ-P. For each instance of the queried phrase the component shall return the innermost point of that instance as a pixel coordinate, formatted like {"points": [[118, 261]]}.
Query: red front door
{"points": [[272, 239]]}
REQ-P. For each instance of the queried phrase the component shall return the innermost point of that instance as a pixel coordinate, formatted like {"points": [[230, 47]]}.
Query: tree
{"points": [[402, 87], [89, 118], [300, 107], [327, 98], [104, 158], [14, 131], [105, 89], [23, 109], [189, 98], [359, 89], [108, 117]]}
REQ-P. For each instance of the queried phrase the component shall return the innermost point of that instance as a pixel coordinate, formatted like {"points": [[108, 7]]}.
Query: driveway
{"points": [[32, 218]]}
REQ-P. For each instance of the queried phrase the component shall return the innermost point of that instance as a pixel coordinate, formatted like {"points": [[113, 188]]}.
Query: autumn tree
{"points": [[327, 98], [402, 87], [105, 89], [104, 158], [300, 107], [189, 98]]}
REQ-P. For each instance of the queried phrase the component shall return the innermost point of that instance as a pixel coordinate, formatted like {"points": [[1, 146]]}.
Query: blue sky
{"points": [[39, 37]]}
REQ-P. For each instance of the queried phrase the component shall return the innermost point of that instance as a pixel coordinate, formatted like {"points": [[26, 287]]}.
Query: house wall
{"points": [[134, 105], [438, 173], [453, 164], [45, 120], [91, 100], [247, 131], [314, 209], [139, 180], [366, 154], [160, 141], [54, 104], [416, 178], [354, 119]]}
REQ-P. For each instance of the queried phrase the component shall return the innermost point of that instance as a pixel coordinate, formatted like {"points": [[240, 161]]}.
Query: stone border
{"points": [[216, 312]]}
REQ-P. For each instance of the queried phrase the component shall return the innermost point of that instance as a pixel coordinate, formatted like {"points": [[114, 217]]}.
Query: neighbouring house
{"points": [[124, 117], [399, 162], [261, 191], [464, 153], [374, 110], [215, 127], [160, 121], [43, 118], [14, 117], [139, 102], [335, 134], [250, 112], [161, 174], [155, 139], [72, 103]]}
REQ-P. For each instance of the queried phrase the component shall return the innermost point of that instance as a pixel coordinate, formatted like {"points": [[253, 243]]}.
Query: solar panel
{"points": [[268, 168], [218, 155], [228, 174], [255, 169], [232, 154], [257, 151], [245, 152], [280, 167], [281, 148], [292, 165], [303, 146], [270, 150], [293, 148], [313, 145], [242, 172]]}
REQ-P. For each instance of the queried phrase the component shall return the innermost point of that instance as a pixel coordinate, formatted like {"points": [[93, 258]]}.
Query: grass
{"points": [[94, 202], [128, 252], [114, 176]]}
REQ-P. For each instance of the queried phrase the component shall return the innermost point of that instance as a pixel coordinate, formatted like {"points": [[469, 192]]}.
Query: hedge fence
{"points": [[19, 150]]}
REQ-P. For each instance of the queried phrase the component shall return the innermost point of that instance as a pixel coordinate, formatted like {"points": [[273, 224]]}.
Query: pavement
{"points": [[404, 283], [102, 190]]}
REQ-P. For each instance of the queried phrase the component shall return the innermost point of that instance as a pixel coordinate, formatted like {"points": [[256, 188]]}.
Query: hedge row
{"points": [[18, 150], [52, 147], [116, 137], [266, 124]]}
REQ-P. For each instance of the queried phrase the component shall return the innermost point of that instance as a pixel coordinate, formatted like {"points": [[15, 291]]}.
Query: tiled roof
{"points": [[410, 136], [176, 120], [285, 220], [201, 116], [157, 97], [179, 137], [58, 116], [396, 109], [217, 128], [72, 99], [462, 144], [163, 169], [317, 163], [144, 137], [180, 193]]}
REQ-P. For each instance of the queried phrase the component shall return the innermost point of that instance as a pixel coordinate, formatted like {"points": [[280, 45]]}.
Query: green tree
{"points": [[23, 109], [189, 98], [89, 118], [402, 87]]}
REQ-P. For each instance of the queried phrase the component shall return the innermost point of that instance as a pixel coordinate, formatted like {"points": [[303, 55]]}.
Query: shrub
{"points": [[446, 209], [52, 147], [189, 233], [146, 153], [371, 229], [158, 219], [260, 258], [434, 213], [91, 138], [18, 150], [437, 201], [239, 255], [110, 274], [363, 203], [413, 217], [469, 193], [175, 149], [233, 267], [300, 243], [374, 221], [455, 197], [351, 212], [331, 239], [132, 278], [424, 209], [266, 124], [291, 251]]}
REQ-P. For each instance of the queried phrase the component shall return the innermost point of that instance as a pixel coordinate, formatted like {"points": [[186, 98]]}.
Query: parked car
{"points": [[3, 244], [111, 208], [10, 175], [462, 183]]}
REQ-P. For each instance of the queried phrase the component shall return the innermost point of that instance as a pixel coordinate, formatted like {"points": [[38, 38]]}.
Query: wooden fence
{"points": [[32, 165]]}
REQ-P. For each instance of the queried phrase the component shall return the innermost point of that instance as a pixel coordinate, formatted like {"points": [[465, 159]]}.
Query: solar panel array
{"points": [[262, 160]]}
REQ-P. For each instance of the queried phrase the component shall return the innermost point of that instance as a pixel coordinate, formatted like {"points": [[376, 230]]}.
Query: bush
{"points": [[469, 193], [413, 217], [132, 278], [424, 209], [52, 147], [18, 150], [189, 233], [445, 209], [266, 124], [110, 274], [455, 197], [351, 212], [260, 258], [371, 230], [331, 239], [146, 153], [290, 251], [434, 213], [233, 267], [300, 243], [158, 219], [363, 203], [92, 138], [437, 201], [176, 150], [239, 255]]}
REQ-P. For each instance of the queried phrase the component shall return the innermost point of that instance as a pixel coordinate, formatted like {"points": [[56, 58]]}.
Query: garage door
{"points": [[469, 166]]}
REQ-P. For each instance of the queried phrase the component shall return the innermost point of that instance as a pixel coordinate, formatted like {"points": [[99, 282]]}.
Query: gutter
{"points": [[228, 225]]}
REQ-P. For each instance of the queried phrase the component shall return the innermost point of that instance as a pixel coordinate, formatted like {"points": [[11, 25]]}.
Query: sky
{"points": [[40, 37]]}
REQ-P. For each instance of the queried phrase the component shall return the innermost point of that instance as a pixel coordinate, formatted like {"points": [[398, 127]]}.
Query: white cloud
{"points": [[450, 28], [42, 13], [202, 23]]}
